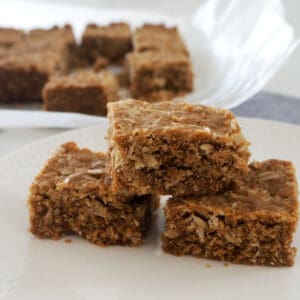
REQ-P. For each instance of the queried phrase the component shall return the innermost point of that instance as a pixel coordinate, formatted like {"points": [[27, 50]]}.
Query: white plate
{"points": [[44, 269], [236, 46]]}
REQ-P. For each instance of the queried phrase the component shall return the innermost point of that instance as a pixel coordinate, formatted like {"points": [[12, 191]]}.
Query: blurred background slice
{"points": [[286, 81]]}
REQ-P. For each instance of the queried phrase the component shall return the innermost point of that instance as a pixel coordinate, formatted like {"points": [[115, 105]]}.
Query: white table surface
{"points": [[286, 81]]}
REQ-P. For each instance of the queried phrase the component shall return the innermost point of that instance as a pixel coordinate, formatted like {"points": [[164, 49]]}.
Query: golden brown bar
{"points": [[159, 75], [22, 77], [112, 41], [82, 91], [253, 223], [10, 36], [72, 195], [151, 37], [173, 148], [27, 66]]}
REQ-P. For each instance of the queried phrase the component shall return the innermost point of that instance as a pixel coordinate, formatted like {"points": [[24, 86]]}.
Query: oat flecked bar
{"points": [[159, 75], [170, 148], [112, 41], [72, 195], [27, 65], [152, 37], [22, 77], [82, 91], [10, 37], [253, 223]]}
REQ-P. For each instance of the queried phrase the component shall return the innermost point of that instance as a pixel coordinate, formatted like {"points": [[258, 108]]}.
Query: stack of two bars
{"points": [[221, 207]]}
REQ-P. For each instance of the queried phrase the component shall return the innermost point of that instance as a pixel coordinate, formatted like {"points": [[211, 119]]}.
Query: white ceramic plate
{"points": [[236, 46], [44, 269]]}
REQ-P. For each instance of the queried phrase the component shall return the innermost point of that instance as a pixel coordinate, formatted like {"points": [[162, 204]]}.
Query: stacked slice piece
{"points": [[73, 195], [252, 223], [175, 148], [221, 207]]}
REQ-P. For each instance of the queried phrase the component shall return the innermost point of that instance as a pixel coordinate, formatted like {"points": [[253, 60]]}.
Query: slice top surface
{"points": [[130, 116]]}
